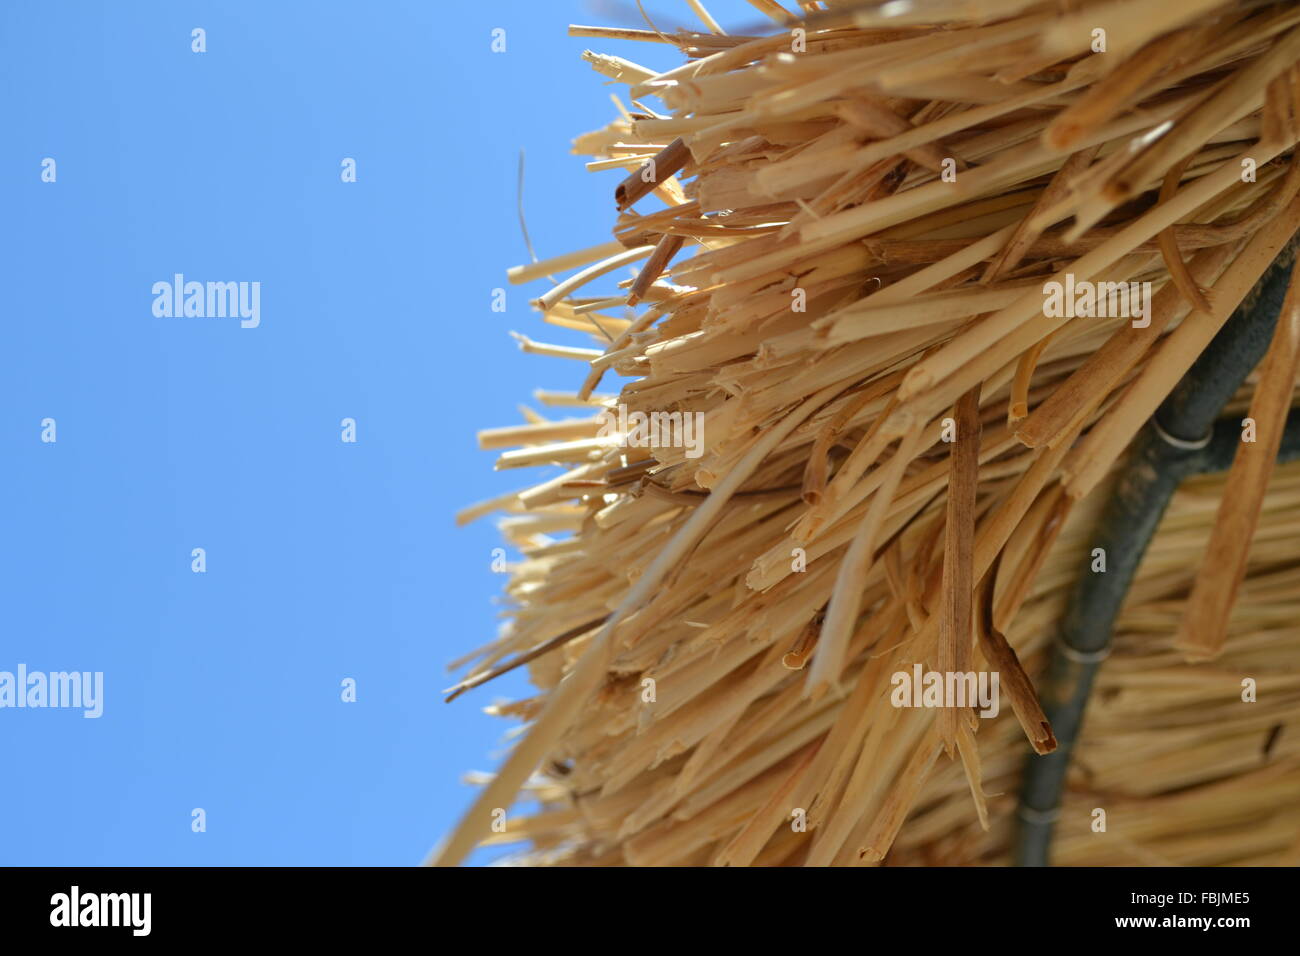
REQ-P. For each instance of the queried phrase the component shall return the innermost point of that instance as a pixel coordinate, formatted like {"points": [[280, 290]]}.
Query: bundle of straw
{"points": [[1192, 765], [858, 212]]}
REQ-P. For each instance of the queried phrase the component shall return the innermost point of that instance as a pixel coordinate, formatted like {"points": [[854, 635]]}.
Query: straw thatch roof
{"points": [[882, 440]]}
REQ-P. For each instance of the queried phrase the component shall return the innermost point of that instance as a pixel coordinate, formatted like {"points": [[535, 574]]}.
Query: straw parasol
{"points": [[905, 311]]}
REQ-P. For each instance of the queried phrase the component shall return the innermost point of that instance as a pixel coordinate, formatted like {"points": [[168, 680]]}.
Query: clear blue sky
{"points": [[325, 560]]}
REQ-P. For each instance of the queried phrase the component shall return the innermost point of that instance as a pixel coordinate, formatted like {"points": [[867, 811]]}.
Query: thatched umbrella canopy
{"points": [[908, 348]]}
